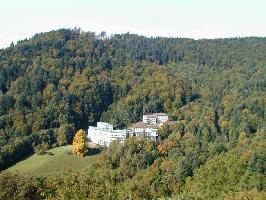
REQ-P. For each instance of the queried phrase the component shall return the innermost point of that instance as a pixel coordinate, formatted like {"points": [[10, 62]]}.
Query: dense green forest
{"points": [[55, 83]]}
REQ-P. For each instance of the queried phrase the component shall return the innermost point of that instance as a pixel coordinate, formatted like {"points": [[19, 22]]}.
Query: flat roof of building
{"points": [[143, 125], [160, 114], [155, 114], [170, 123]]}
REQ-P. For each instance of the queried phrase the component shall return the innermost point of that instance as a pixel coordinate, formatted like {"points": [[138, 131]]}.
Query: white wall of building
{"points": [[155, 118], [148, 132], [103, 125], [104, 134], [162, 118], [149, 119]]}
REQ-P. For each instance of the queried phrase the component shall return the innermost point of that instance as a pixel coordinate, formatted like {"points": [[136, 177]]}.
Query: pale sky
{"points": [[20, 19]]}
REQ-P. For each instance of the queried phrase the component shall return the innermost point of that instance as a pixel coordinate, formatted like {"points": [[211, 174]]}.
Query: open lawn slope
{"points": [[55, 161]]}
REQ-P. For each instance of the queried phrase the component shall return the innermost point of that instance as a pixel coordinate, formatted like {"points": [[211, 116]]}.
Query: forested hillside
{"points": [[58, 82]]}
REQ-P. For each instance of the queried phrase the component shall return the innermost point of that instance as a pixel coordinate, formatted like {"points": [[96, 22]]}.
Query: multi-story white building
{"points": [[155, 118], [104, 134], [161, 117], [145, 130], [149, 119]]}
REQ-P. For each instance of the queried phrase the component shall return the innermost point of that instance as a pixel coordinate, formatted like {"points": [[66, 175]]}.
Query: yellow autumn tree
{"points": [[79, 143]]}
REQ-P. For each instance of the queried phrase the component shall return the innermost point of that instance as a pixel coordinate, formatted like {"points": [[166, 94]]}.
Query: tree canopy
{"points": [[59, 82]]}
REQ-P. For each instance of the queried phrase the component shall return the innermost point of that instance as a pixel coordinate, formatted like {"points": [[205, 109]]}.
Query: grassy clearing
{"points": [[59, 160]]}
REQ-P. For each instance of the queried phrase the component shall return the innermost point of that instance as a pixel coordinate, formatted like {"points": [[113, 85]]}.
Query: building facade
{"points": [[104, 134], [155, 118], [145, 130]]}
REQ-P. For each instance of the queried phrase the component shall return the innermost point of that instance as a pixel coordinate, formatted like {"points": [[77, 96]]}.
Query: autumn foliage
{"points": [[58, 81], [79, 143]]}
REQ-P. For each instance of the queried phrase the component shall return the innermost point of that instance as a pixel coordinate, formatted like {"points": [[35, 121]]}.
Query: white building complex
{"points": [[104, 134]]}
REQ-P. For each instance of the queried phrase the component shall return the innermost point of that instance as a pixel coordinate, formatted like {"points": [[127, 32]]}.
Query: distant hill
{"points": [[58, 82]]}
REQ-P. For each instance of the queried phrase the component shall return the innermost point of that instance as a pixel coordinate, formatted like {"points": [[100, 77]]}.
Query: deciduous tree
{"points": [[79, 143]]}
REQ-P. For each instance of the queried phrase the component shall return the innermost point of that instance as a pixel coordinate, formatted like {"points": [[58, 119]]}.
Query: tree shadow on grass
{"points": [[93, 151], [49, 153], [44, 152], [89, 151]]}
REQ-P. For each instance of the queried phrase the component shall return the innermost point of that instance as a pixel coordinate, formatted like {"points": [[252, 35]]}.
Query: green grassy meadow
{"points": [[57, 160]]}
